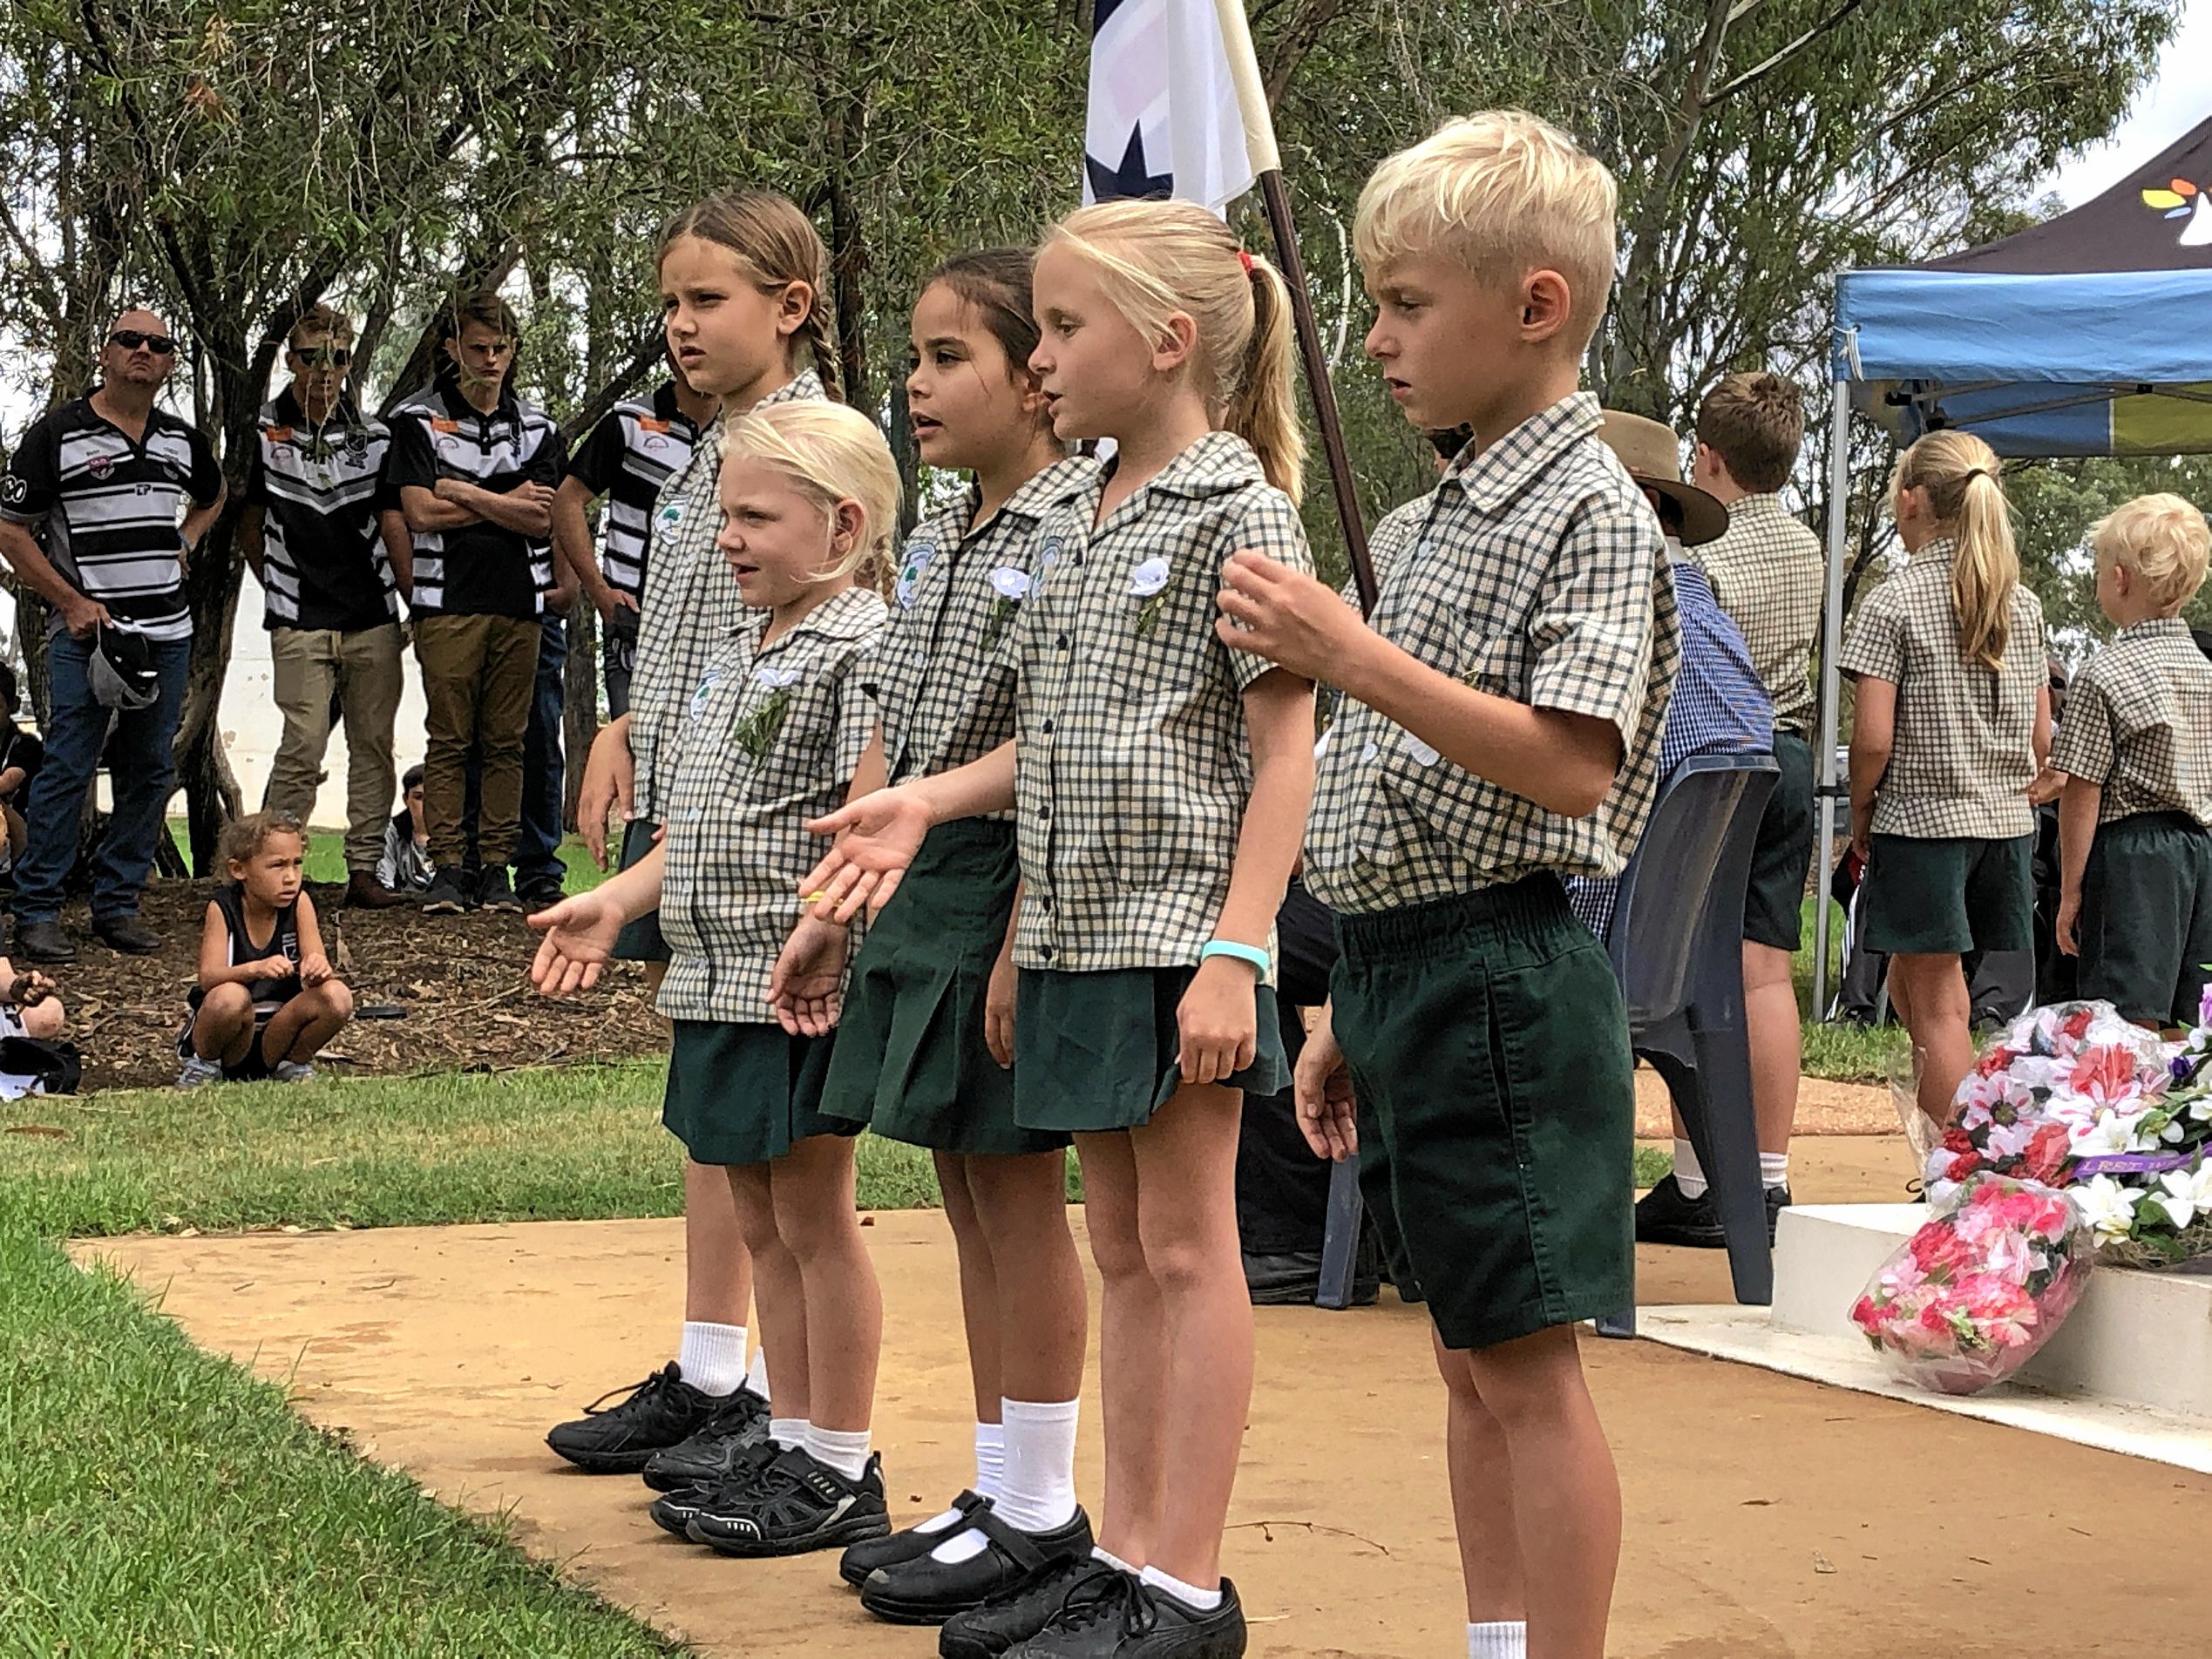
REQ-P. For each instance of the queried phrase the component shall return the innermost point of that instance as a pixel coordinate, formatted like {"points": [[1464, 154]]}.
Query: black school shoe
{"points": [[447, 897], [494, 891], [922, 1591], [674, 1511], [910, 1545], [662, 1412], [1020, 1611], [797, 1503], [740, 1423], [1664, 1216], [1119, 1617]]}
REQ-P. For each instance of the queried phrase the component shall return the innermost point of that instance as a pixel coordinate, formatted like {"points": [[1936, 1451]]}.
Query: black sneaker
{"points": [[799, 1503], [905, 1545], [541, 893], [495, 892], [740, 1423], [662, 1412], [1664, 1216], [1020, 1611], [674, 1511], [446, 896], [1120, 1617], [924, 1591], [1778, 1200]]}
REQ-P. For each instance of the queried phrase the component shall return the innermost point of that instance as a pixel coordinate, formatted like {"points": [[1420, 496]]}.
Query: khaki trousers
{"points": [[477, 671], [362, 667]]}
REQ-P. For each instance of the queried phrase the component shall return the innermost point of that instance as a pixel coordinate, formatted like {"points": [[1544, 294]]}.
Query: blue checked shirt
{"points": [[1720, 708]]}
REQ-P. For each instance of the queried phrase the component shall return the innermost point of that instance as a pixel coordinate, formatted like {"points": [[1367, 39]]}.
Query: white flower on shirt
{"points": [[1010, 584], [1420, 751], [774, 678], [1148, 578]]}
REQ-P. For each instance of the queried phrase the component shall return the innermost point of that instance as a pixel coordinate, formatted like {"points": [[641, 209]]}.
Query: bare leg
{"points": [[782, 1294], [1132, 1350], [1938, 1011], [1022, 1207], [1566, 1498], [1481, 1477], [1776, 1041], [1186, 1170], [979, 1282], [223, 1029], [717, 1264], [812, 1188], [298, 1030]]}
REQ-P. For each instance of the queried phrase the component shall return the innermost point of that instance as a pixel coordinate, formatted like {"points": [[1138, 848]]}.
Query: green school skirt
{"points": [[1488, 1052], [1949, 896], [639, 941], [1098, 1051], [743, 1092], [911, 1061], [2146, 927]]}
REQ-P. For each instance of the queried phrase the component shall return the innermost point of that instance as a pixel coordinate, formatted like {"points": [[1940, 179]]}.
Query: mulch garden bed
{"points": [[461, 983]]}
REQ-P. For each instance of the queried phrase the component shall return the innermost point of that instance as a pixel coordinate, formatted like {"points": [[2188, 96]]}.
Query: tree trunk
{"points": [[908, 458], [848, 260], [579, 703]]}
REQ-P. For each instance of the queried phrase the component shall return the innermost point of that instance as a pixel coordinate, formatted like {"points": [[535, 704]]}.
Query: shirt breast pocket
{"points": [[1496, 663], [785, 737]]}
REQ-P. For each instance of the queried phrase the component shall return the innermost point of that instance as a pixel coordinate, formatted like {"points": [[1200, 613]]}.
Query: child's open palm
{"points": [[877, 838], [805, 985], [580, 937]]}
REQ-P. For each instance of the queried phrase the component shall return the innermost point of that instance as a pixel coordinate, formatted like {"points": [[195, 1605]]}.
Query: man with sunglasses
{"points": [[100, 508], [332, 585]]}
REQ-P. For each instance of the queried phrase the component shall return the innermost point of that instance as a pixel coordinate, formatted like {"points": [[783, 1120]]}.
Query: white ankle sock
{"points": [[990, 1459], [1504, 1640], [843, 1450], [1039, 1494], [757, 1373], [712, 1358], [788, 1432], [1189, 1595], [1774, 1169], [1689, 1173], [1100, 1553]]}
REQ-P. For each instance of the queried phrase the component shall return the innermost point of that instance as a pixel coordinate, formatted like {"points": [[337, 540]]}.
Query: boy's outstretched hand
{"points": [[580, 936], [1324, 1095], [1288, 617], [803, 986], [877, 838]]}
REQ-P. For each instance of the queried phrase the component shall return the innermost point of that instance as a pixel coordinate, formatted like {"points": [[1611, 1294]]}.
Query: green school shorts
{"points": [[639, 941], [1773, 905], [1951, 896], [742, 1092], [1488, 1052], [911, 1061], [2146, 927], [1098, 1051]]}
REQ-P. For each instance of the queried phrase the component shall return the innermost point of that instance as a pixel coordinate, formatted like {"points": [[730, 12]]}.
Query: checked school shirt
{"points": [[323, 564], [689, 604], [629, 455], [108, 512], [1538, 574], [1133, 767], [1770, 576], [1964, 753], [480, 569], [945, 678], [2139, 723], [768, 740]]}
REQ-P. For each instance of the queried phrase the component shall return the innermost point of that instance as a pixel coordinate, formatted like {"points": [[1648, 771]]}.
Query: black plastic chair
{"points": [[1677, 945]]}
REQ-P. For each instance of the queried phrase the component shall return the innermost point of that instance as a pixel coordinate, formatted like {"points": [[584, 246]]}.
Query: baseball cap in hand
{"points": [[121, 670]]}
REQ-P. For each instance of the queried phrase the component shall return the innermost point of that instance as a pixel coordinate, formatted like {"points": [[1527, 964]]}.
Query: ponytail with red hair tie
{"points": [[1244, 259]]}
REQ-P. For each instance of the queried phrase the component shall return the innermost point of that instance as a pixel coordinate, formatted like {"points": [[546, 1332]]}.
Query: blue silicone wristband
{"points": [[1251, 953]]}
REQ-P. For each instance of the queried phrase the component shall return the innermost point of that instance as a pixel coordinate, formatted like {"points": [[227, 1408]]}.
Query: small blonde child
{"points": [[1951, 723], [268, 998], [2135, 756], [769, 739]]}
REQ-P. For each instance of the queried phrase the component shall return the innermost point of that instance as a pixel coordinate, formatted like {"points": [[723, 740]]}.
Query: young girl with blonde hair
{"points": [[742, 290], [1951, 724], [1162, 783]]}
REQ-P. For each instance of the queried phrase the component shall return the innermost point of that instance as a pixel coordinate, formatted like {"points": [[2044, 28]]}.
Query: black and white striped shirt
{"points": [[481, 569], [628, 457], [322, 560], [110, 509]]}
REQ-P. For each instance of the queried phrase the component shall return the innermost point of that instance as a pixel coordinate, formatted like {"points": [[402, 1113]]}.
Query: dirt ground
{"points": [[460, 984], [1766, 1517]]}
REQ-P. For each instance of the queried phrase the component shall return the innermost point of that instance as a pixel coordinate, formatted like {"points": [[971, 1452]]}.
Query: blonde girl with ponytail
{"points": [[745, 300], [770, 736], [1952, 725], [1162, 783]]}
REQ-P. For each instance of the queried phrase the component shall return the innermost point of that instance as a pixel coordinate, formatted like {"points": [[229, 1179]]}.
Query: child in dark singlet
{"points": [[267, 997]]}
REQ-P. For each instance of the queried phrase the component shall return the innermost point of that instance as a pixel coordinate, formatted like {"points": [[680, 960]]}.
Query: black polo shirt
{"points": [[108, 510], [481, 569], [628, 457], [323, 561]]}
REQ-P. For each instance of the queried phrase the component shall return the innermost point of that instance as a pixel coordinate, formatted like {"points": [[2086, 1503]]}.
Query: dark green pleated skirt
{"points": [[742, 1093], [911, 1061], [1098, 1052]]}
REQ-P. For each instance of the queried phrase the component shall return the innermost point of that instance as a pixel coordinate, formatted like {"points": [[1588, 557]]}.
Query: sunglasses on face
{"points": [[323, 356], [131, 339]]}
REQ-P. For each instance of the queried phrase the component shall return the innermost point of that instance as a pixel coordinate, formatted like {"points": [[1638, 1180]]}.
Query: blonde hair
{"points": [[1504, 193], [1966, 499], [2161, 539], [830, 453], [1157, 258], [778, 244]]}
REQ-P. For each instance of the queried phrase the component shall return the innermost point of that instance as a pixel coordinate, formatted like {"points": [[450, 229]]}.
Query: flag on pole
{"points": [[1177, 104]]}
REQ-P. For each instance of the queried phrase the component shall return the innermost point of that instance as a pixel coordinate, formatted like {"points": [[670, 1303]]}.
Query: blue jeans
{"points": [[537, 855], [141, 775]]}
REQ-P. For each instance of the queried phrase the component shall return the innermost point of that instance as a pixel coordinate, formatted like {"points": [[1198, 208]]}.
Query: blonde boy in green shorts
{"points": [[1501, 732]]}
